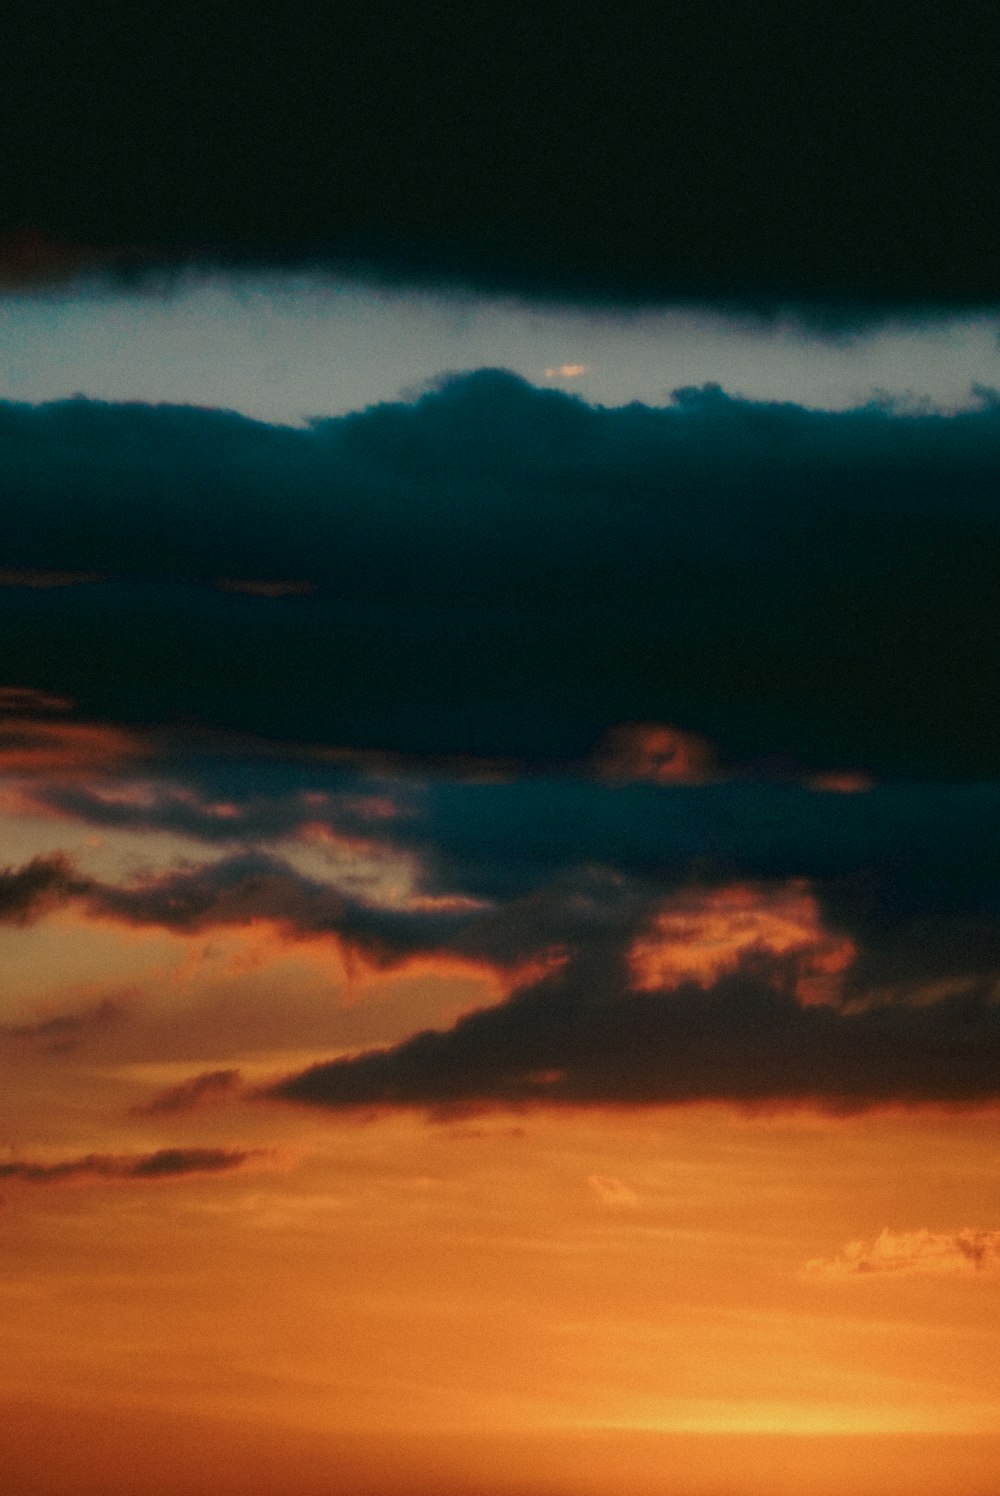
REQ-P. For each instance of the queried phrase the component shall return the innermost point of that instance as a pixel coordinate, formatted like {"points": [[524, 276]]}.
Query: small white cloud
{"points": [[567, 371]]}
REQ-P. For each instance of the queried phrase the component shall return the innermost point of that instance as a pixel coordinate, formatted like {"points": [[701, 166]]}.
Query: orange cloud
{"points": [[913, 1253], [27, 699], [656, 753], [31, 747], [35, 738], [701, 934]]}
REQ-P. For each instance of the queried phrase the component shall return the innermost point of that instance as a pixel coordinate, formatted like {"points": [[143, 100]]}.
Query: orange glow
{"points": [[702, 934], [33, 747], [655, 753], [842, 783]]}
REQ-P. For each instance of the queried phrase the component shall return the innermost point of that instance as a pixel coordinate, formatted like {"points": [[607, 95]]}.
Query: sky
{"points": [[499, 761]]}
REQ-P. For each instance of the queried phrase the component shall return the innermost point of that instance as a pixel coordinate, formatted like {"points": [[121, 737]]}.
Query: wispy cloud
{"points": [[165, 1163], [612, 1191], [200, 1090], [63, 1031]]}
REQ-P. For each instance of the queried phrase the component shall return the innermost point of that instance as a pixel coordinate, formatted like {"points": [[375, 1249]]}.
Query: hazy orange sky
{"points": [[183, 1253]]}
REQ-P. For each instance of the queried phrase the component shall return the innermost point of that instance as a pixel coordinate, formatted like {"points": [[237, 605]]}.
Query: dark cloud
{"points": [[163, 1164], [505, 572], [211, 1085], [584, 1036], [504, 870], [835, 159], [906, 868], [31, 890], [573, 907], [253, 886]]}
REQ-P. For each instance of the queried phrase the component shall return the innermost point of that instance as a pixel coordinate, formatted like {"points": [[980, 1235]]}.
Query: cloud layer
{"points": [[603, 156], [584, 1035], [501, 571]]}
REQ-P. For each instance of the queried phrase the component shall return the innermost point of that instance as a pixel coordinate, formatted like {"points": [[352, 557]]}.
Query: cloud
{"points": [[923, 1253], [62, 1031], [37, 739], [165, 1163], [612, 1191], [18, 700], [431, 153], [251, 887], [40, 885], [584, 1035], [654, 753], [211, 1085], [903, 871], [747, 575]]}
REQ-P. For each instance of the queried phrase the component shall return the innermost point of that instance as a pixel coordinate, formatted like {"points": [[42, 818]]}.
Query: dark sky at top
{"points": [[842, 158]]}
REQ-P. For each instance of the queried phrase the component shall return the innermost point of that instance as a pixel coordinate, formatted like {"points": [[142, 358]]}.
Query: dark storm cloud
{"points": [[506, 572], [842, 161], [163, 1164], [582, 1035]]}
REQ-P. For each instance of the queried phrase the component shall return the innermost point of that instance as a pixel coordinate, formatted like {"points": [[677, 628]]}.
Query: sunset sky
{"points": [[499, 753]]}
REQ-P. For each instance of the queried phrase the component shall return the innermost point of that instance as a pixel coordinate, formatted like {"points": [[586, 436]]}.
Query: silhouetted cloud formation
{"points": [[42, 883], [751, 575], [839, 160], [583, 1035], [165, 1163]]}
